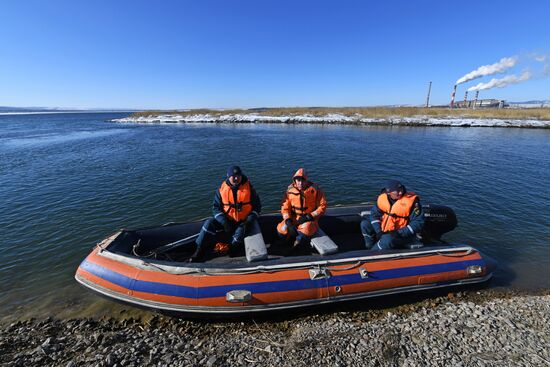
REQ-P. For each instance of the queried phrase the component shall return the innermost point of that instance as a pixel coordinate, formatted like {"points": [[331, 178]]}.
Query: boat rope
{"points": [[344, 269], [136, 247], [260, 270], [205, 271], [154, 266], [468, 252], [331, 266]]}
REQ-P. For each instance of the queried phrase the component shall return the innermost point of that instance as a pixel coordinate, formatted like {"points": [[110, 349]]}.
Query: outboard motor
{"points": [[439, 219]]}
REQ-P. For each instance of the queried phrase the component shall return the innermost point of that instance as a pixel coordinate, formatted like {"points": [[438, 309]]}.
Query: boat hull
{"points": [[182, 288]]}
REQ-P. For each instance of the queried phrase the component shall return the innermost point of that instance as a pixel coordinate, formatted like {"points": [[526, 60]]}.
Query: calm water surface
{"points": [[69, 180]]}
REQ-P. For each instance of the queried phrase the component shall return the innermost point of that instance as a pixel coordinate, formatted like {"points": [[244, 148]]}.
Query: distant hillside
{"points": [[26, 109], [530, 104], [7, 109]]}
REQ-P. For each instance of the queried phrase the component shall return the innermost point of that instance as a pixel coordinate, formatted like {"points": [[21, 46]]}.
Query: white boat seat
{"points": [[323, 244], [254, 244]]}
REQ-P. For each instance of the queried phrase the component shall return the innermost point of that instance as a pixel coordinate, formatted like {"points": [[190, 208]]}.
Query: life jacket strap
{"points": [[393, 215], [238, 205], [300, 209]]}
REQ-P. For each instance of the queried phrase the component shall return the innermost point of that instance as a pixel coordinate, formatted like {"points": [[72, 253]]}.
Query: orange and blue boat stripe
{"points": [[138, 281]]}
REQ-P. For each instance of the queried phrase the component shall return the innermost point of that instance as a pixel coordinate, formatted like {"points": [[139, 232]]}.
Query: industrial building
{"points": [[476, 102], [481, 103]]}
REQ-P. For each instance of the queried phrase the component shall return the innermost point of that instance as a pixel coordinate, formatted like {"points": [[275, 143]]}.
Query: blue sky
{"points": [[223, 54]]}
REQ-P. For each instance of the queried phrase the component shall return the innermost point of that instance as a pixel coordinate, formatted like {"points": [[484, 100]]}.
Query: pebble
{"points": [[472, 330], [211, 361]]}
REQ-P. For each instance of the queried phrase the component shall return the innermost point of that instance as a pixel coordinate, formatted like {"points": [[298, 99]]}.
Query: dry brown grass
{"points": [[375, 112]]}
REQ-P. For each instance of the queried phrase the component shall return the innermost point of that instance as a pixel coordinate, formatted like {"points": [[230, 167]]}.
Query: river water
{"points": [[69, 180]]}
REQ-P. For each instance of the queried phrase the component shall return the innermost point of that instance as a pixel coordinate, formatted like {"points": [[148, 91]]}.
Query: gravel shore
{"points": [[469, 328]]}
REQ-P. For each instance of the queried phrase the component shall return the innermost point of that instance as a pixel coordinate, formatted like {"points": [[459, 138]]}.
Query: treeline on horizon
{"points": [[367, 112]]}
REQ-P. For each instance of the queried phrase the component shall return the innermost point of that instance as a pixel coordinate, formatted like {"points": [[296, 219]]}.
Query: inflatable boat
{"points": [[149, 268]]}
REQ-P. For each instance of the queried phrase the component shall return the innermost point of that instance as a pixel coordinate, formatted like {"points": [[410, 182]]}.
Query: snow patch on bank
{"points": [[335, 119]]}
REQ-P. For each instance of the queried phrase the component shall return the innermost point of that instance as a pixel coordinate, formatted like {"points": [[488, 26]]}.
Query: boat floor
{"points": [[350, 246], [281, 249]]}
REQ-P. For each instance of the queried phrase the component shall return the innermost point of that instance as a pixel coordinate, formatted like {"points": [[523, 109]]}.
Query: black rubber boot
{"points": [[198, 255]]}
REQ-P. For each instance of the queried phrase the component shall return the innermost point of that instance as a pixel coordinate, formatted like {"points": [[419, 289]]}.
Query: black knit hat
{"points": [[393, 185], [234, 171]]}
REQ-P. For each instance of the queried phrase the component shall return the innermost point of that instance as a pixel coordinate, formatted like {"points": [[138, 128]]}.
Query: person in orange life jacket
{"points": [[394, 220], [235, 207], [303, 204]]}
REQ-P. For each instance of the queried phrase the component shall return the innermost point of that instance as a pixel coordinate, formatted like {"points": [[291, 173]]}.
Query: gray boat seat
{"points": [[254, 244], [323, 244]]}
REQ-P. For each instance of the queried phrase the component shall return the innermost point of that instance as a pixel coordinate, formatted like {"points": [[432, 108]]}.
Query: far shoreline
{"points": [[538, 118]]}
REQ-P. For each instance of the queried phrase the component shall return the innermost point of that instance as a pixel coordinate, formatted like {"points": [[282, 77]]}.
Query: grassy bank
{"points": [[371, 112]]}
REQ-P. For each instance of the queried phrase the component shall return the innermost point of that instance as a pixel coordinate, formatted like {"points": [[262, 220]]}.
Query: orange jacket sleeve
{"points": [[322, 204], [286, 208]]}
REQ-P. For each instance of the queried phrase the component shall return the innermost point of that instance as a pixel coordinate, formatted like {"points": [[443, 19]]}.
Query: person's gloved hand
{"points": [[392, 234], [226, 225], [250, 218], [291, 228], [404, 232], [377, 229], [223, 221], [305, 218]]}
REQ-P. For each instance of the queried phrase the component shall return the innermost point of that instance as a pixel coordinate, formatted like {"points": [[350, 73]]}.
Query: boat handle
{"points": [[318, 273], [238, 296]]}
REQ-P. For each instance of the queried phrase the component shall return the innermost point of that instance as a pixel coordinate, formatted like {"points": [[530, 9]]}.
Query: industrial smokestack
{"points": [[475, 99], [428, 98], [453, 96], [466, 99]]}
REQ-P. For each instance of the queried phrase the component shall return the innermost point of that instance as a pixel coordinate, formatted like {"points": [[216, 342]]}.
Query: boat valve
{"points": [[238, 296], [474, 269]]}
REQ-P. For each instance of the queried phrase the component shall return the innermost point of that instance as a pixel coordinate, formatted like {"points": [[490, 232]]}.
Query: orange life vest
{"points": [[305, 201], [237, 211], [395, 216]]}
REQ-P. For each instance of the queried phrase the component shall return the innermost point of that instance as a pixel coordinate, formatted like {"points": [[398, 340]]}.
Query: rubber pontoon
{"points": [[148, 268]]}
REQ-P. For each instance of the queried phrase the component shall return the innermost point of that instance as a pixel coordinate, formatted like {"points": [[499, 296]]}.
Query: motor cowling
{"points": [[438, 220]]}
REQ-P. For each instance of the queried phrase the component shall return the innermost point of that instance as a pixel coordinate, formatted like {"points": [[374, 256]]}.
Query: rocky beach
{"points": [[465, 328]]}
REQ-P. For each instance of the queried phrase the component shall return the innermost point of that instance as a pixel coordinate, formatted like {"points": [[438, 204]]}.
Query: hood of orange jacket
{"points": [[300, 173]]}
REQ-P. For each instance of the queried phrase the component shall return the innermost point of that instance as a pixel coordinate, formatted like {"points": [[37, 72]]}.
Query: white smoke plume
{"points": [[499, 67], [503, 82]]}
